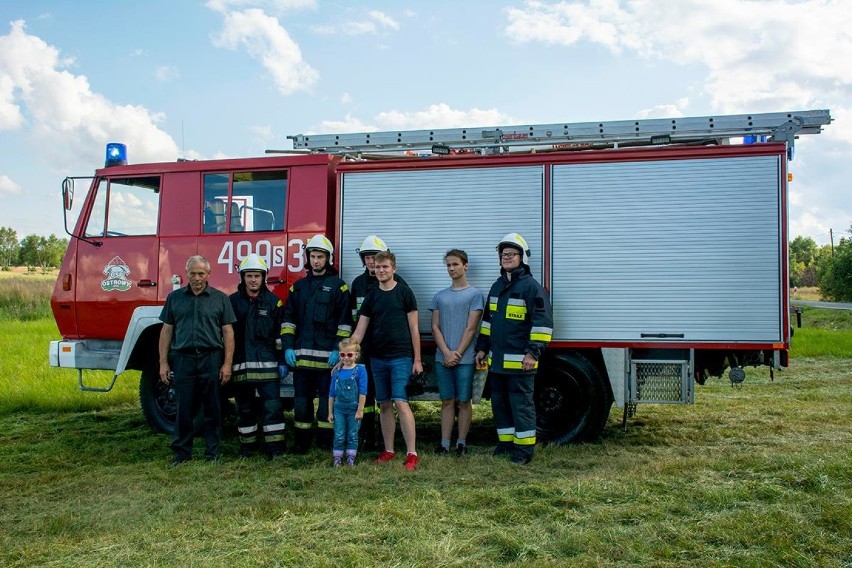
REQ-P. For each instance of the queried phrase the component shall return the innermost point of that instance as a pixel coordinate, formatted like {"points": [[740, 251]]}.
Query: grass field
{"points": [[753, 476]]}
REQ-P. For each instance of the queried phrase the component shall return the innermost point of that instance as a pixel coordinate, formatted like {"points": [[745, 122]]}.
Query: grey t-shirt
{"points": [[454, 307]]}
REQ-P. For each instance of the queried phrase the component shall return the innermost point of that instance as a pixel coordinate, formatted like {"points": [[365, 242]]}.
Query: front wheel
{"points": [[158, 402], [572, 400]]}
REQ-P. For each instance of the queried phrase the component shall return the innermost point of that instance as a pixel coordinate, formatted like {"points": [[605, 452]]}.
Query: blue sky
{"points": [[232, 78]]}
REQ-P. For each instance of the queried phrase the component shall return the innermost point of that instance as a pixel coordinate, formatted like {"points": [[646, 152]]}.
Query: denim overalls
{"points": [[345, 405]]}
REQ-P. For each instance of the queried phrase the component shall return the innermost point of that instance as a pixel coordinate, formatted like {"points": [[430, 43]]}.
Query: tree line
{"points": [[31, 251], [827, 267]]}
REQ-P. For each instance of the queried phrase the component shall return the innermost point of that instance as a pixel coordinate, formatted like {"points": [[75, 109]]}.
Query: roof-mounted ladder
{"points": [[777, 126]]}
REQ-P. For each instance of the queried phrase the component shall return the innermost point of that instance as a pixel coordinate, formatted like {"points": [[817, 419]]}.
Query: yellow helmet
{"points": [[320, 242], [515, 240], [253, 262]]}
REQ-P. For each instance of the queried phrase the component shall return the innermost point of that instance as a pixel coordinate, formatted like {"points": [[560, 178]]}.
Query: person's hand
{"points": [[165, 373], [417, 367], [282, 371], [529, 362], [290, 357], [359, 414], [225, 374], [330, 418], [481, 357], [334, 358]]}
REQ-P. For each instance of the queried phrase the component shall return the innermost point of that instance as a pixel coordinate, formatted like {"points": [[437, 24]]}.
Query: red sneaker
{"points": [[411, 462], [385, 456]]}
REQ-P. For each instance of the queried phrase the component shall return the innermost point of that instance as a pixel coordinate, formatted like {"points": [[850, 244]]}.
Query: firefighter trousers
{"points": [[309, 384], [513, 407], [260, 400]]}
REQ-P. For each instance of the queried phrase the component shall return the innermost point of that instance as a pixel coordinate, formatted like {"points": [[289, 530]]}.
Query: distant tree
{"points": [[835, 272], [8, 247], [54, 250], [803, 254]]}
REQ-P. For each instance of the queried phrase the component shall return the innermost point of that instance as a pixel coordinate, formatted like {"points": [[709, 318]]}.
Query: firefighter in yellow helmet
{"points": [[258, 360], [516, 327], [316, 318]]}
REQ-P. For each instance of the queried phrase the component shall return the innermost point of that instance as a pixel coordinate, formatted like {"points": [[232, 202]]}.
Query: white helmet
{"points": [[516, 241], [371, 245], [320, 242], [253, 262]]}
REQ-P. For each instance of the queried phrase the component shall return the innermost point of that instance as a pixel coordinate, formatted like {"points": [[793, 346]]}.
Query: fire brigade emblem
{"points": [[116, 272]]}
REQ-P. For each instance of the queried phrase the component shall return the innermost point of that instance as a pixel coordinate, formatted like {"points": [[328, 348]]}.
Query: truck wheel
{"points": [[158, 402], [572, 400]]}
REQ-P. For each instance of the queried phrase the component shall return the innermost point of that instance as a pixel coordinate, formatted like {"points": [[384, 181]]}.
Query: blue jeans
{"points": [[345, 427], [455, 382], [391, 376]]}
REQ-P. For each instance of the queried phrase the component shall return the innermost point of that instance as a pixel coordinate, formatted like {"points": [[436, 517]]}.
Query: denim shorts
{"points": [[391, 376], [455, 382]]}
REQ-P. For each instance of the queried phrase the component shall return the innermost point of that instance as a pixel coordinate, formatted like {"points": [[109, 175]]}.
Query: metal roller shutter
{"points": [[423, 213], [666, 248]]}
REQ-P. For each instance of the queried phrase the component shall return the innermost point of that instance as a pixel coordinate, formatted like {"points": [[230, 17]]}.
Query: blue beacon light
{"points": [[116, 155]]}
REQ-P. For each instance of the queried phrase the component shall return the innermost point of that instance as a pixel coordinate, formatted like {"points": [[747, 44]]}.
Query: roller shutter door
{"points": [[677, 250], [423, 213]]}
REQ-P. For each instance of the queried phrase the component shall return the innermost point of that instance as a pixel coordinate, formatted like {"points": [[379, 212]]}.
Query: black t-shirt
{"points": [[388, 311]]}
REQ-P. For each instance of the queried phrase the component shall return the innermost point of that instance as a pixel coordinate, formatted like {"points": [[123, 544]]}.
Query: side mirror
{"points": [[67, 193]]}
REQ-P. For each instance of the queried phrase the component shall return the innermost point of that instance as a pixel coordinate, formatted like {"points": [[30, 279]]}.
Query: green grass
{"points": [[753, 476], [25, 297], [757, 476]]}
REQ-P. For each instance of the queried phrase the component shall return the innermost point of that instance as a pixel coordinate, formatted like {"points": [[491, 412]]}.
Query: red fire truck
{"points": [[662, 244]]}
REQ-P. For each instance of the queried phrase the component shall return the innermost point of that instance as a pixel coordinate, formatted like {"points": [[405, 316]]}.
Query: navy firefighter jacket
{"points": [[518, 319]]}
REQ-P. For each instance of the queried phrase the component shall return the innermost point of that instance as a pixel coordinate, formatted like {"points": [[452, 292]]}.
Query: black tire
{"points": [[572, 400], [159, 403]]}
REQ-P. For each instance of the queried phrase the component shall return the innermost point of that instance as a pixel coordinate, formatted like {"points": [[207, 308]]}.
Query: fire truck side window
{"points": [[125, 207], [95, 225], [258, 201], [215, 203]]}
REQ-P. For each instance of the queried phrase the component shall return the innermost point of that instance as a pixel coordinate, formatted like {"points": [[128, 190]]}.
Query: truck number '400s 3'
{"points": [[662, 244]]}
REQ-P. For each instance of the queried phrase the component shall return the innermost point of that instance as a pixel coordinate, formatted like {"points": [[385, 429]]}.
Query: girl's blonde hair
{"points": [[349, 343]]}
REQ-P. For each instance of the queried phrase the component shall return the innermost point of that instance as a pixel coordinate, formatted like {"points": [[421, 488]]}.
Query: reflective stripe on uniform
{"points": [[505, 434], [513, 361], [288, 328], [492, 303], [274, 427], [543, 334], [303, 425], [247, 429], [256, 365], [321, 424], [344, 330], [485, 328], [516, 309], [526, 438]]}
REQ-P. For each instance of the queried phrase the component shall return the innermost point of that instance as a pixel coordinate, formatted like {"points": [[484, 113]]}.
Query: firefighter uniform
{"points": [[518, 320], [316, 318], [257, 357]]}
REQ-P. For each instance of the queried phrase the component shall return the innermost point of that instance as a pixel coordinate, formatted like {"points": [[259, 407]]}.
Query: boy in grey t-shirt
{"points": [[455, 317]]}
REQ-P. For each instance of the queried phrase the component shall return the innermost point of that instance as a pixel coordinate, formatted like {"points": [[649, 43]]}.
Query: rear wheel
{"points": [[572, 400]]}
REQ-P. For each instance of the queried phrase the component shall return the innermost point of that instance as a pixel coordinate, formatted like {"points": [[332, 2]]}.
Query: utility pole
{"points": [[831, 236]]}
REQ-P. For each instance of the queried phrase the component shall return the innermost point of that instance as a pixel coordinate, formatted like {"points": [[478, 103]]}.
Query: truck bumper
{"points": [[84, 354]]}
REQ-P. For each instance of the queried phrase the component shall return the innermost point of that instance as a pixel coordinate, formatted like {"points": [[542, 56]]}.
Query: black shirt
{"points": [[388, 311], [197, 319]]}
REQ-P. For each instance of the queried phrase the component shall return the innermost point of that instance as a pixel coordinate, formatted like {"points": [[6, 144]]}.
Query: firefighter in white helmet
{"points": [[258, 360], [316, 318], [362, 284], [516, 327]]}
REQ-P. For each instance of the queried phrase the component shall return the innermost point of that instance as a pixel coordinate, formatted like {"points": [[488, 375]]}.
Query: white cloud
{"points": [[663, 111], [7, 186], [64, 118], [166, 73], [435, 116], [275, 6], [266, 40], [359, 28], [384, 20], [345, 98], [760, 56]]}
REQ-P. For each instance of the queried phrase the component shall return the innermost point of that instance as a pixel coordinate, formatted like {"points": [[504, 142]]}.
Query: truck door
{"points": [[117, 266]]}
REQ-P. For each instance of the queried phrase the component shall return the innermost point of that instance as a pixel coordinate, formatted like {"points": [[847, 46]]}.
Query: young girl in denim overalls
{"points": [[346, 397]]}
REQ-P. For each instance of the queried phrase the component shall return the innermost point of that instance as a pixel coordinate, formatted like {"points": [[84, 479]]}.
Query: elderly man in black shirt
{"points": [[196, 352]]}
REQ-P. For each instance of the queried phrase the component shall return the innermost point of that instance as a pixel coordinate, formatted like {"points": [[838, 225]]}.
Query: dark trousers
{"points": [[513, 407], [367, 439], [260, 400], [196, 382], [309, 384]]}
